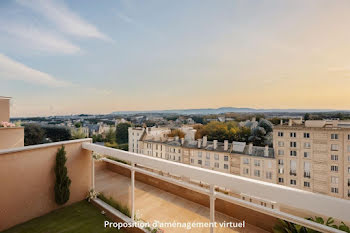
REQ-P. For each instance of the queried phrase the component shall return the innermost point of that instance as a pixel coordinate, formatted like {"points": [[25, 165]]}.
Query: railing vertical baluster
{"points": [[132, 192], [212, 207]]}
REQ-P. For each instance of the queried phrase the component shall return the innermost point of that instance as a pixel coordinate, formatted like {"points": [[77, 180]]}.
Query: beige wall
{"points": [[27, 180], [4, 109], [11, 137]]}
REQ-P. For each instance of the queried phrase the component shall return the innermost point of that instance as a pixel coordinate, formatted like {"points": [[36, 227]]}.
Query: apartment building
{"points": [[153, 133], [314, 156], [235, 158]]}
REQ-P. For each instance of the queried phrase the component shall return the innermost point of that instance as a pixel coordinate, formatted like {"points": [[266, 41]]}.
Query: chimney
{"points": [[281, 122], [250, 148], [266, 152], [253, 119], [199, 143], [225, 145], [205, 139], [182, 141], [290, 122], [215, 144]]}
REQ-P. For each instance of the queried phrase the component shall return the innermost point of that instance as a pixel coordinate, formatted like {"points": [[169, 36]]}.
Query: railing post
{"points": [[132, 192], [212, 207]]}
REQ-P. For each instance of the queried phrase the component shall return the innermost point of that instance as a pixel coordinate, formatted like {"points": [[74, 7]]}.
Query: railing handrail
{"points": [[296, 198]]}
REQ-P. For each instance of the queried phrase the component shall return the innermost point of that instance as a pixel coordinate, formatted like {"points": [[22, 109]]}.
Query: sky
{"points": [[70, 57]]}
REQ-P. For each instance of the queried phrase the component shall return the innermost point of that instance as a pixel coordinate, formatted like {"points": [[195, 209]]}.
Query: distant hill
{"points": [[205, 111]]}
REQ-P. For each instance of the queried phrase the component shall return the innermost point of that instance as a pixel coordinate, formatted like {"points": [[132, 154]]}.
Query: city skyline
{"points": [[65, 57]]}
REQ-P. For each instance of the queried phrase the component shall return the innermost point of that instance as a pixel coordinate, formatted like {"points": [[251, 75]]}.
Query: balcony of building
{"points": [[151, 189]]}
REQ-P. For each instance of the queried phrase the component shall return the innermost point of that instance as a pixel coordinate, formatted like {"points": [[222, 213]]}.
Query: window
{"points": [[280, 162], [179, 150], [280, 180], [280, 152], [348, 148], [216, 156], [334, 147], [306, 135], [349, 170], [192, 160], [306, 154], [293, 167], [307, 184], [207, 156], [348, 136], [216, 164], [293, 182], [334, 157], [334, 180], [281, 170], [257, 173], [349, 159], [293, 144], [199, 154], [334, 168], [334, 136], [280, 134], [225, 166], [269, 164], [334, 190], [269, 175], [200, 162], [307, 145], [281, 144], [293, 153], [245, 161], [257, 163], [293, 134], [226, 158], [246, 171], [207, 163]]}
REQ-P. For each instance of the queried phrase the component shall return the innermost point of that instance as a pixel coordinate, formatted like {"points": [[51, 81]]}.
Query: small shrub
{"points": [[63, 182], [117, 205]]}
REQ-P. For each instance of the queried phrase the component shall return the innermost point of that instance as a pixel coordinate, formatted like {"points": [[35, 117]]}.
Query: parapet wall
{"points": [[27, 180], [11, 137]]}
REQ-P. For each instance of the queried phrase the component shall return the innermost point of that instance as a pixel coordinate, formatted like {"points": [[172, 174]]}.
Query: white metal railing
{"points": [[282, 195]]}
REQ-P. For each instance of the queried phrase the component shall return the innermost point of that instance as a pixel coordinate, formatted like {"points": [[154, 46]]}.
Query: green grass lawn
{"points": [[81, 217]]}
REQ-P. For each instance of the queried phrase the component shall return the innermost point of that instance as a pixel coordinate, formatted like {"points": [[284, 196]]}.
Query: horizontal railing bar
{"points": [[278, 214], [299, 199], [167, 179]]}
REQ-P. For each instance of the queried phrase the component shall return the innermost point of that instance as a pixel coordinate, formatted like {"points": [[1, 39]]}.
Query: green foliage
{"points": [[307, 116], [176, 132], [57, 133], [110, 136], [122, 133], [288, 227], [97, 138], [63, 182], [77, 124], [115, 145], [78, 133], [117, 205], [223, 131], [33, 134]]}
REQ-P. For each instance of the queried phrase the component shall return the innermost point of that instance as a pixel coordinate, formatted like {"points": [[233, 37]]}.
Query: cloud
{"points": [[39, 39], [13, 70], [67, 20]]}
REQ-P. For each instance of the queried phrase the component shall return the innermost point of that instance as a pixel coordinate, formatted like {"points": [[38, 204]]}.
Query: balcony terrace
{"points": [[153, 189]]}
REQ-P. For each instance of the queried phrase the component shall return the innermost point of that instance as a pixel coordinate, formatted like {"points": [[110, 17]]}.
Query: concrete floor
{"points": [[155, 204]]}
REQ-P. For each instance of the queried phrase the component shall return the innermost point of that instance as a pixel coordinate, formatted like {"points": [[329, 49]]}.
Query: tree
{"points": [[307, 116], [78, 133], [33, 134], [57, 133], [77, 124], [267, 125], [110, 136], [176, 132], [122, 133], [63, 182], [258, 136]]}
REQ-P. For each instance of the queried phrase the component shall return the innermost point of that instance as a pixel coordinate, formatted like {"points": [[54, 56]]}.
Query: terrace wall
{"points": [[4, 109], [11, 137], [27, 180]]}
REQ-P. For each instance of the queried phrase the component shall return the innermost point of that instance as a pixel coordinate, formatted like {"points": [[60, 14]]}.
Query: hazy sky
{"points": [[67, 57]]}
